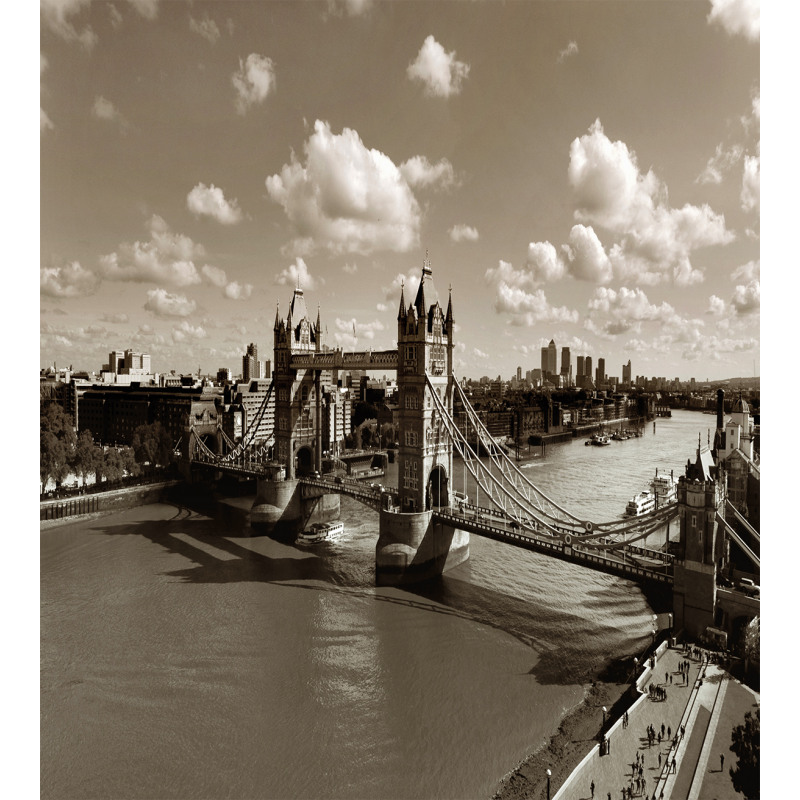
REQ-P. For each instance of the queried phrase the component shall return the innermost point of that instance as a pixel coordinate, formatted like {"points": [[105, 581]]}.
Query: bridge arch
{"points": [[438, 490], [303, 461]]}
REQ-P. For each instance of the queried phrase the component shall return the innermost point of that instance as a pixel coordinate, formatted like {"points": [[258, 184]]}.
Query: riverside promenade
{"points": [[706, 707]]}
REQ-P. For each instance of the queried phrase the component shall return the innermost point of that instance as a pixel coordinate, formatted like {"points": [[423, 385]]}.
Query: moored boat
{"points": [[598, 439], [320, 532]]}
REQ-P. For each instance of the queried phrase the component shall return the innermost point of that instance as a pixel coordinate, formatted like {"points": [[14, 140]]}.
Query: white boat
{"points": [[665, 488], [320, 532], [642, 503], [598, 439]]}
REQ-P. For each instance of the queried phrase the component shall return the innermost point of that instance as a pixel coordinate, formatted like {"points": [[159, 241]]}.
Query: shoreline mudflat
{"points": [[575, 737]]}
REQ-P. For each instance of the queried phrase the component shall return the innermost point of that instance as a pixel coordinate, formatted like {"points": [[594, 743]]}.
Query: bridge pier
{"points": [[280, 510], [413, 547]]}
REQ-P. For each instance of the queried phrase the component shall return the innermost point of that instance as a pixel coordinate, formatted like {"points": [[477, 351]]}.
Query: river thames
{"points": [[182, 657]]}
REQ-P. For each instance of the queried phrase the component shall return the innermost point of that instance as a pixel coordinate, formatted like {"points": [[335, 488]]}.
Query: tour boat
{"points": [[320, 532], [665, 488], [642, 503]]}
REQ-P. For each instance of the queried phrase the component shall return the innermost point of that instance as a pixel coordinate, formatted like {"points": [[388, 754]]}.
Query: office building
{"points": [[251, 366]]}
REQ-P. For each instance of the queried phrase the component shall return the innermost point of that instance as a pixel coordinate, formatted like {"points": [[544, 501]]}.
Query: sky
{"points": [[587, 172]]}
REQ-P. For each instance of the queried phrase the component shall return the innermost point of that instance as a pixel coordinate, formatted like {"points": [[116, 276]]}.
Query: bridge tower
{"points": [[412, 545], [298, 423], [280, 504], [701, 547]]}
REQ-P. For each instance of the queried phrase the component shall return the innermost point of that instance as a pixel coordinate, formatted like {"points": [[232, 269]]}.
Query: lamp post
{"points": [[635, 666], [548, 783], [604, 715]]}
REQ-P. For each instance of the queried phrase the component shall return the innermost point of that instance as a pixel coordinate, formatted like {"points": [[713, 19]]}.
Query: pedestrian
{"points": [[673, 765], [592, 788], [721, 761], [669, 732], [659, 759]]}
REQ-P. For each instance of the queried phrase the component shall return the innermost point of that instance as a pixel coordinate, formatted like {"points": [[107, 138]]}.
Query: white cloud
{"points": [[71, 280], [463, 233], [747, 299], [716, 306], [586, 258], [544, 262], [210, 201], [504, 273], [419, 172], [751, 183], [238, 291], [163, 304], [296, 274], [479, 353], [205, 27], [56, 13], [253, 82], [409, 283], [105, 110], [438, 70], [381, 307], [350, 269], [624, 310], [167, 257], [117, 319], [722, 160], [570, 50], [353, 8], [652, 237], [737, 16], [364, 330], [215, 275], [346, 199], [147, 8], [114, 14], [45, 122], [747, 272], [186, 332], [529, 308]]}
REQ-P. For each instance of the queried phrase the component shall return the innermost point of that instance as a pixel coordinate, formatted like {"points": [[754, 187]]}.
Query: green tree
{"points": [[86, 458], [111, 467], [56, 442], [152, 445], [746, 743]]}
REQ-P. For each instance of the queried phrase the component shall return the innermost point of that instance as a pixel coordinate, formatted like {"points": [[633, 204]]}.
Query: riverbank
{"points": [[575, 737]]}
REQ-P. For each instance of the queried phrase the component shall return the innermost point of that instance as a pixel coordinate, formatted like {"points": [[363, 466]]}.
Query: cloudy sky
{"points": [[582, 171]]}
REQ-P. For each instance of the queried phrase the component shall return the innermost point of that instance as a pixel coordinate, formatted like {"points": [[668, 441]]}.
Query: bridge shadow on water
{"points": [[221, 559]]}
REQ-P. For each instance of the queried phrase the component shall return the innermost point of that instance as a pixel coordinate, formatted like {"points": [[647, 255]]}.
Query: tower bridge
{"points": [[424, 526]]}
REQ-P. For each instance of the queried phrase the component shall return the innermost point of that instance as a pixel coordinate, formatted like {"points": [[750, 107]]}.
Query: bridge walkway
{"points": [[702, 708]]}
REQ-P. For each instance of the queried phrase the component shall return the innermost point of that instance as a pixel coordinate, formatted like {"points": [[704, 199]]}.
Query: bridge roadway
{"points": [[639, 564]]}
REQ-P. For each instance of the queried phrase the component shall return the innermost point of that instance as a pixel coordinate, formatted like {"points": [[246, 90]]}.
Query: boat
{"points": [[665, 488], [639, 504], [320, 532], [619, 436], [598, 439]]}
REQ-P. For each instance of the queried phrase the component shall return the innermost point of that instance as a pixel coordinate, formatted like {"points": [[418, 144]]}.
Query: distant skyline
{"points": [[587, 172]]}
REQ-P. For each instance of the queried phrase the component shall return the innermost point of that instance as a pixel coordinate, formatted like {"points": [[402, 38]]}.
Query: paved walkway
{"points": [[696, 706]]}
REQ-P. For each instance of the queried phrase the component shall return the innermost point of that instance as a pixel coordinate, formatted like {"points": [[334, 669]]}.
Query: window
{"points": [[411, 438], [411, 399]]}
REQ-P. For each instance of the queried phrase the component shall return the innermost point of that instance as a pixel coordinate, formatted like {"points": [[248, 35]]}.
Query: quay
{"points": [[707, 706]]}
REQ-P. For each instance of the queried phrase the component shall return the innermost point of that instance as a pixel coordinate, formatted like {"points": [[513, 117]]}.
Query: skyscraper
{"points": [[587, 367], [601, 371], [251, 367], [579, 370], [566, 367], [626, 372], [544, 362], [552, 358]]}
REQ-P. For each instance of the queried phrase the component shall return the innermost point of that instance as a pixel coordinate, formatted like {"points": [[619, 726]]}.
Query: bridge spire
{"points": [[277, 316], [401, 314], [448, 318]]}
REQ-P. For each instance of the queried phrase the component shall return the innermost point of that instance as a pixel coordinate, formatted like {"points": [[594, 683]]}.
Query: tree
{"points": [[746, 743], [86, 457], [152, 445], [56, 442]]}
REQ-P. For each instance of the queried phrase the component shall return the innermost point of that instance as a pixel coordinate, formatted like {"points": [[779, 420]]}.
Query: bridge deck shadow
{"points": [[556, 663]]}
